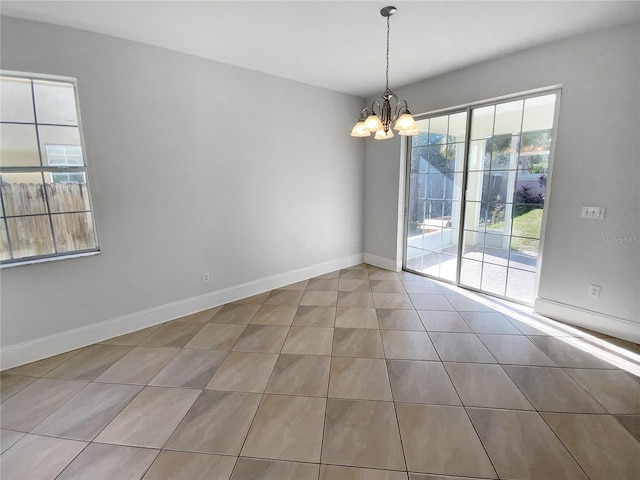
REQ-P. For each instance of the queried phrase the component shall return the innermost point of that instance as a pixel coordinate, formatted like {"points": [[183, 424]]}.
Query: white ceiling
{"points": [[336, 45]]}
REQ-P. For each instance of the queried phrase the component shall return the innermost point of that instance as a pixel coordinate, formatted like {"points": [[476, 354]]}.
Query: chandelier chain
{"points": [[387, 73]]}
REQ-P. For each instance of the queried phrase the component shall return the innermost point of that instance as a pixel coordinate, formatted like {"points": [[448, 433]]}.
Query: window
{"points": [[46, 206], [65, 155]]}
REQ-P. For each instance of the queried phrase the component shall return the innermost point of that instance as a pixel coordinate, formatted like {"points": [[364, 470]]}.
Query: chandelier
{"points": [[379, 118]]}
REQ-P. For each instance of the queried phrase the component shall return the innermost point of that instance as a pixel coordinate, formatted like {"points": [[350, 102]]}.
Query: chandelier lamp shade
{"points": [[378, 118]]}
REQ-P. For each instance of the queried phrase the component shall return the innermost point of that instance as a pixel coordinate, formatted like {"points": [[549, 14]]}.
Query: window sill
{"points": [[49, 259]]}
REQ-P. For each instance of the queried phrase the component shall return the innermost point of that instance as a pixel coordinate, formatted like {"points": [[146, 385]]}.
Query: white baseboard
{"points": [[39, 348], [599, 322], [382, 262]]}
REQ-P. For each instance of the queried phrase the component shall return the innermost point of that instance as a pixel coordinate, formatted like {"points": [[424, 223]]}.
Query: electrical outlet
{"points": [[205, 277], [593, 213], [594, 291]]}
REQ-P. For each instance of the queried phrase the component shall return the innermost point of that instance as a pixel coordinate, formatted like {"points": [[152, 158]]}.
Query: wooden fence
{"points": [[30, 230]]}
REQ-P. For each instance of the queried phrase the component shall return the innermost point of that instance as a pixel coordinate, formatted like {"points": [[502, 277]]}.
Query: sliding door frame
{"points": [[555, 89]]}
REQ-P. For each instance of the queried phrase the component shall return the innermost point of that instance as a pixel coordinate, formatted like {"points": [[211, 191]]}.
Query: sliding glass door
{"points": [[476, 189], [435, 195]]}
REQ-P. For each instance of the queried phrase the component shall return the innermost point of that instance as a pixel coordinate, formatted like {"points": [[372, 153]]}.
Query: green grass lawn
{"points": [[525, 225]]}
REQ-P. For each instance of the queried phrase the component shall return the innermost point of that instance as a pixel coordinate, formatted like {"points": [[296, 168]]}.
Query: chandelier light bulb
{"points": [[359, 130], [373, 123], [405, 122], [382, 135]]}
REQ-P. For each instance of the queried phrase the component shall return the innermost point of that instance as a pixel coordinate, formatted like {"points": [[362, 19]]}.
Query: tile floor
{"points": [[361, 374]]}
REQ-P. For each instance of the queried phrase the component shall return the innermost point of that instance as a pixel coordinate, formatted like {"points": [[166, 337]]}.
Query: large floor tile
{"points": [[309, 341], [284, 297], [217, 422], [150, 418], [354, 274], [522, 446], [398, 319], [552, 390], [424, 286], [392, 300], [287, 428], [8, 438], [262, 339], [139, 366], [484, 385], [463, 303], [176, 333], [87, 413], [170, 465], [38, 458], [407, 345], [422, 301], [355, 299], [315, 317], [357, 342], [275, 315], [362, 433], [460, 347], [599, 443], [41, 367], [362, 378], [322, 284], [489, 322], [255, 469], [356, 318], [34, 403], [382, 274], [297, 286], [314, 298], [421, 382], [304, 375], [237, 314], [244, 372], [617, 391], [216, 336], [441, 321], [566, 355], [189, 369], [89, 362], [441, 439], [387, 286], [354, 285], [335, 472], [12, 384], [515, 350], [108, 462], [631, 423]]}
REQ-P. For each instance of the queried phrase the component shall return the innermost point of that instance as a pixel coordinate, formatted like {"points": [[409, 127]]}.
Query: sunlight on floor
{"points": [[599, 348]]}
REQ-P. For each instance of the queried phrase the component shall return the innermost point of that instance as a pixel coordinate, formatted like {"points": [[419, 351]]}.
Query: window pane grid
{"points": [[46, 207]]}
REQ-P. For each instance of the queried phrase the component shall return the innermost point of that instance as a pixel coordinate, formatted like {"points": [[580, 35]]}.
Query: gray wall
{"points": [[596, 162], [195, 167]]}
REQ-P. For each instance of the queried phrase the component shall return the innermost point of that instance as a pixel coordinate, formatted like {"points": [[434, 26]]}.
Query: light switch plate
{"points": [[593, 213]]}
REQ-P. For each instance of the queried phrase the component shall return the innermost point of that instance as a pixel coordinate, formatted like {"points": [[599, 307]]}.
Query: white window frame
{"points": [[50, 169]]}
